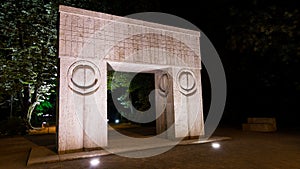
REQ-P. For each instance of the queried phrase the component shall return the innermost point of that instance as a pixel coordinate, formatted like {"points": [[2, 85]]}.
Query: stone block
{"points": [[261, 127], [260, 124], [262, 120]]}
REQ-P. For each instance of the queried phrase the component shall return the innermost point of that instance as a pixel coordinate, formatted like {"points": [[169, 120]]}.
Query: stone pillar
{"points": [[95, 111], [82, 108], [187, 103], [164, 104], [70, 133]]}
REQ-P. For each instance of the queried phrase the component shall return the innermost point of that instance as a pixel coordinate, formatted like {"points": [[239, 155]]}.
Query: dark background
{"points": [[249, 95]]}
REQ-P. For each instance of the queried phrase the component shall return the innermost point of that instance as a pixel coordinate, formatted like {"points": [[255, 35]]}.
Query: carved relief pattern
{"points": [[83, 77], [164, 84], [88, 37], [186, 81], [156, 44]]}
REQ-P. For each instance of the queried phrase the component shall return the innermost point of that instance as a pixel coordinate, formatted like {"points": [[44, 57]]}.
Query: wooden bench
{"points": [[260, 124]]}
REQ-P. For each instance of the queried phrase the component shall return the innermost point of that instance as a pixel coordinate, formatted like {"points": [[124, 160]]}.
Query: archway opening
{"points": [[131, 103]]}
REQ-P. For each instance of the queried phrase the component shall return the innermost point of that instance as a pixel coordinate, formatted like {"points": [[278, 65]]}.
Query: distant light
{"points": [[215, 145], [107, 120], [44, 122], [94, 162], [117, 121]]}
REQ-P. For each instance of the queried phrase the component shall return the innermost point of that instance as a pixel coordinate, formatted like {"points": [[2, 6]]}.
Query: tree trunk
{"points": [[11, 106], [25, 101], [31, 107], [29, 114]]}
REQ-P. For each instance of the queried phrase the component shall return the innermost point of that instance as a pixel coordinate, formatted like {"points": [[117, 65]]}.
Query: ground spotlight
{"points": [[95, 162], [215, 145]]}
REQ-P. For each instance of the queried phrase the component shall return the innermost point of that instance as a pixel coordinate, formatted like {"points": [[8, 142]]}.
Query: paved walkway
{"points": [[247, 150], [14, 152]]}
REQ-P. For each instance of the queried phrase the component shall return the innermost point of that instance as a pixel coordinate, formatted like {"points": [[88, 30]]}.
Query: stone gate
{"points": [[90, 43]]}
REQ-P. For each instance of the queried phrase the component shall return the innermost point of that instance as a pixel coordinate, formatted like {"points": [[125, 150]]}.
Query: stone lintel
{"points": [[138, 67], [109, 17]]}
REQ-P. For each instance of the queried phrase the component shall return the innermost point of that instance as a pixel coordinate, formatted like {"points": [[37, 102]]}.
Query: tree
{"points": [[131, 90], [28, 51], [28, 47], [263, 35]]}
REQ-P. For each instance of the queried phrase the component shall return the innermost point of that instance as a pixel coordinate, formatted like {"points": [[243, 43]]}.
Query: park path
{"points": [[14, 152]]}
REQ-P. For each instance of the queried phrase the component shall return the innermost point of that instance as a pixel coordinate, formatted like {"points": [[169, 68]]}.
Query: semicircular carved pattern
{"points": [[186, 81], [83, 77], [164, 84], [180, 53]]}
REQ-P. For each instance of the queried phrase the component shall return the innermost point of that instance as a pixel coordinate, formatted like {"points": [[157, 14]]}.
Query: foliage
{"points": [[28, 50], [28, 46], [43, 108], [263, 57], [131, 90], [266, 37], [265, 29], [140, 88], [117, 80]]}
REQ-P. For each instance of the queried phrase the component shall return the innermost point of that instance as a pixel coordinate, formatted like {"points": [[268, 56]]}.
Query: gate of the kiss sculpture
{"points": [[91, 42]]}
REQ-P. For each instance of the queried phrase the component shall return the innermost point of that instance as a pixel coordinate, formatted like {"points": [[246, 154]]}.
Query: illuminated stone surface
{"points": [[90, 42]]}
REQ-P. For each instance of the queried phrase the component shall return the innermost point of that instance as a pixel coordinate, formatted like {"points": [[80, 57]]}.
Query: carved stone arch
{"points": [[91, 42]]}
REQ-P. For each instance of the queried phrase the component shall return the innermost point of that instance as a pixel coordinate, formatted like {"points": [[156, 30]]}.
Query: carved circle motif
{"points": [[164, 84], [83, 77], [187, 81]]}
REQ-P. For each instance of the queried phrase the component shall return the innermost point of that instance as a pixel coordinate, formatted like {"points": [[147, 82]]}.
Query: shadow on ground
{"points": [[48, 140]]}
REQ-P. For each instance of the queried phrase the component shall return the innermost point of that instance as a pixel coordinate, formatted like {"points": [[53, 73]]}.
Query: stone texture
{"points": [[164, 104], [90, 41], [187, 104], [70, 133]]}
